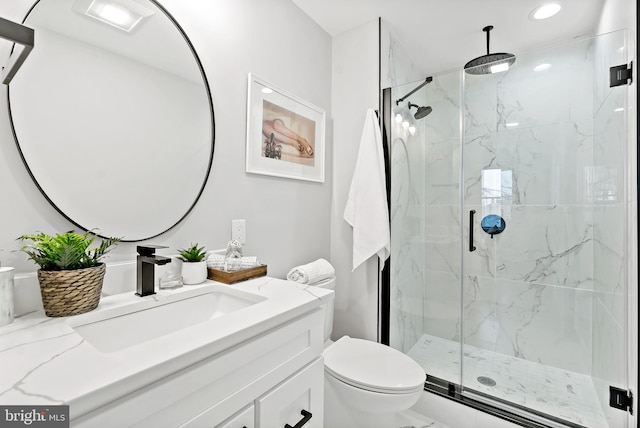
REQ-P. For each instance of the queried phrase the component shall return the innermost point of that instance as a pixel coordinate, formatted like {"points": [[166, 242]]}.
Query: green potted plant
{"points": [[194, 265], [71, 271]]}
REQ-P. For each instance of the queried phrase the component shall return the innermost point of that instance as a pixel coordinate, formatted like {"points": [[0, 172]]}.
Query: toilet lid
{"points": [[373, 366]]}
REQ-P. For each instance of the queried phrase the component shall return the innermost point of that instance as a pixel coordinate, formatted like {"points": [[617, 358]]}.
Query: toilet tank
{"points": [[329, 284]]}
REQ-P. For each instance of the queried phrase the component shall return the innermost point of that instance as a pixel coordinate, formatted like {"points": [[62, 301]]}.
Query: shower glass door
{"points": [[426, 269], [530, 313]]}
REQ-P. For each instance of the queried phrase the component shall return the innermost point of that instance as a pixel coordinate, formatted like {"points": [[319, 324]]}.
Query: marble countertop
{"points": [[45, 362]]}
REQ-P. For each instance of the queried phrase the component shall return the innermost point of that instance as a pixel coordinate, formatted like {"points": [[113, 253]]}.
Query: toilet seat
{"points": [[372, 366]]}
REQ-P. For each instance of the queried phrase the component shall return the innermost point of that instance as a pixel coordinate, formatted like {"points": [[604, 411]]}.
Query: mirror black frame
{"points": [[213, 129]]}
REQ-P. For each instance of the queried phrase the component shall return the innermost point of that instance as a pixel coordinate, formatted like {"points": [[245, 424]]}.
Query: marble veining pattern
{"points": [[52, 364], [6, 295], [549, 390]]}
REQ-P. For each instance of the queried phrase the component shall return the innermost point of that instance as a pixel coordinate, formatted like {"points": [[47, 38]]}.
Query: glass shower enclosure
{"points": [[509, 228]]}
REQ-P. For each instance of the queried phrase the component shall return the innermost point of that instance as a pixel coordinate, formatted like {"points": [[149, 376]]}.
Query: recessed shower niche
{"points": [[115, 124]]}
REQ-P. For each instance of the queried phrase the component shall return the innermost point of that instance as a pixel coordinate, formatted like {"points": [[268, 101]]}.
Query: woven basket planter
{"points": [[71, 292]]}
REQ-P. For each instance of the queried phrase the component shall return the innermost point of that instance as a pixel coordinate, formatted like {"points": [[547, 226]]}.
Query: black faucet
{"points": [[145, 270]]}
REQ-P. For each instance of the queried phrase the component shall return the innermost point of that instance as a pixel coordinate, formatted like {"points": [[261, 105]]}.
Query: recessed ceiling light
{"points": [[122, 14], [541, 67], [512, 124], [619, 109], [545, 11], [267, 90]]}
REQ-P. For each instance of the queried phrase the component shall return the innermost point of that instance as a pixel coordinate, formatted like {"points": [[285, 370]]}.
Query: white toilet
{"points": [[366, 383]]}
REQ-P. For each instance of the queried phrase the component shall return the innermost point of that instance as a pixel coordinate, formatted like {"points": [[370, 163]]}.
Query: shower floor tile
{"points": [[567, 395]]}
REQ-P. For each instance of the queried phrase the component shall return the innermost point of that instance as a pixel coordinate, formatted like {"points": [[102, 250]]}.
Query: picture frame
{"points": [[285, 134]]}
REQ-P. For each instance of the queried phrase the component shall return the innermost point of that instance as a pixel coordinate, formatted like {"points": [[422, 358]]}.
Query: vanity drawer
{"points": [[298, 399], [212, 390], [244, 419]]}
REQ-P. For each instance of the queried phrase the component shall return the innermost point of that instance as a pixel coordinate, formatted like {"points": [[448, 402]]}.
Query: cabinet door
{"points": [[297, 402], [243, 419]]}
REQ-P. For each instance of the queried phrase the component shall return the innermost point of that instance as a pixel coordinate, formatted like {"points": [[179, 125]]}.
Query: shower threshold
{"points": [[549, 390]]}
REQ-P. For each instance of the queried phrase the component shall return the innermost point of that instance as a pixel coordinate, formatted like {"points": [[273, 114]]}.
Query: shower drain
{"points": [[486, 381]]}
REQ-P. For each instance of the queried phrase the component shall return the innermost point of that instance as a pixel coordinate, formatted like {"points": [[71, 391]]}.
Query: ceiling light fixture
{"points": [[122, 14], [115, 14], [541, 67], [545, 11]]}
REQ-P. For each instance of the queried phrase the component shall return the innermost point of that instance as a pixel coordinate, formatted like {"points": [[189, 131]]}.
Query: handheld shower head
{"points": [[421, 112]]}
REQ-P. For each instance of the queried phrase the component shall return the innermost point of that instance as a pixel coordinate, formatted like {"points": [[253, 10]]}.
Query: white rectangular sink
{"points": [[121, 327]]}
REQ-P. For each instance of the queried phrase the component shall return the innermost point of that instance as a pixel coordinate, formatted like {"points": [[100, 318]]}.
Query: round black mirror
{"points": [[118, 132]]}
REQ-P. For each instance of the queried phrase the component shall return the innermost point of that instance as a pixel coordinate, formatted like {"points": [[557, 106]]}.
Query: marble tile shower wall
{"points": [[541, 290], [426, 175], [407, 218], [442, 209], [408, 229]]}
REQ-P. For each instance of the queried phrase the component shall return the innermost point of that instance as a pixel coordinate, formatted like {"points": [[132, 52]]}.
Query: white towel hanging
{"points": [[367, 210]]}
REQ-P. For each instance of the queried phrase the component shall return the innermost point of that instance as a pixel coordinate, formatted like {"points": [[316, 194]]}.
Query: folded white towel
{"points": [[312, 273], [366, 209], [215, 261]]}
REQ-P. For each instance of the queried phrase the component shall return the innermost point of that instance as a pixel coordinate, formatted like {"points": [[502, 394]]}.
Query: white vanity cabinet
{"points": [[267, 381], [296, 402]]}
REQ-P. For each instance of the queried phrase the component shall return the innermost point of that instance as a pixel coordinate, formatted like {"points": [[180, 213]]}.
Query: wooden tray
{"points": [[236, 276]]}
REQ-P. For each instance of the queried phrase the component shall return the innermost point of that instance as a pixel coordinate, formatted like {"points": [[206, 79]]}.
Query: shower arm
{"points": [[427, 81], [487, 30]]}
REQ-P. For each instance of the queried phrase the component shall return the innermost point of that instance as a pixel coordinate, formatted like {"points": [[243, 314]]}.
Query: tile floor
{"points": [[549, 390]]}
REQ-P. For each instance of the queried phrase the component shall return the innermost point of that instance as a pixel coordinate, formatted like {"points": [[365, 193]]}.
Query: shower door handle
{"points": [[471, 247]]}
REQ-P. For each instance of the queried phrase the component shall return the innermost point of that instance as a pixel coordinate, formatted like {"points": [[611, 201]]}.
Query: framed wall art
{"points": [[285, 134]]}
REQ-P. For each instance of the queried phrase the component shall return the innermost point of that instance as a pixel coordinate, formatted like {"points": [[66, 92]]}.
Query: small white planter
{"points": [[194, 272]]}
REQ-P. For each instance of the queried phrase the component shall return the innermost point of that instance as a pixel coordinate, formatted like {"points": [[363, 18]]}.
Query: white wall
{"points": [[287, 220], [354, 90]]}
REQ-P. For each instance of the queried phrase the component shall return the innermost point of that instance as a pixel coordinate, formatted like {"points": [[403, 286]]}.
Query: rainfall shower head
{"points": [[422, 111], [490, 63]]}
